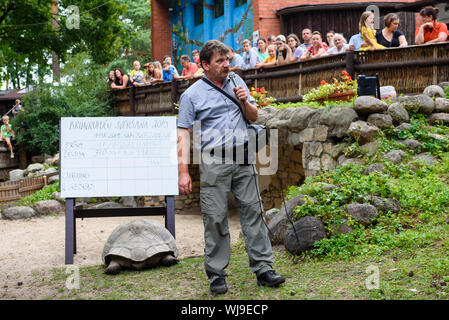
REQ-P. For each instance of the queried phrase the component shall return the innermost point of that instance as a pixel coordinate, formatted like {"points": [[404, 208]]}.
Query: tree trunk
{"points": [[55, 58]]}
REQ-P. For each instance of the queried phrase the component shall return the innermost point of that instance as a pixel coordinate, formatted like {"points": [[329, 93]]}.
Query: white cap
{"points": [[281, 37]]}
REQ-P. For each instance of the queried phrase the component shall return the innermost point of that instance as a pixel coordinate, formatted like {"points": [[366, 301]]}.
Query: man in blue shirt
{"points": [[217, 120], [235, 60], [249, 55], [356, 41]]}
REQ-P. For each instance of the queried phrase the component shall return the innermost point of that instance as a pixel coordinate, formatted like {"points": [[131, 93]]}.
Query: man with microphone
{"points": [[209, 109]]}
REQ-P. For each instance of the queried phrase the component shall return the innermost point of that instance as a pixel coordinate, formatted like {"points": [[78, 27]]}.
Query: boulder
{"points": [[129, 202], [34, 167], [268, 215], [395, 156], [375, 167], [363, 132], [425, 158], [444, 84], [55, 161], [380, 120], [398, 113], [370, 147], [439, 117], [49, 207], [363, 213], [265, 114], [420, 103], [403, 127], [16, 175], [384, 204], [441, 105], [341, 228], [366, 105], [412, 144], [303, 234], [53, 179], [300, 118], [434, 91], [278, 223], [20, 212], [108, 205], [337, 120]]}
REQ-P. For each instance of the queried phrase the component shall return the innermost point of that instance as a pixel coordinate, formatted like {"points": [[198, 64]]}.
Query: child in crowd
{"points": [[136, 76], [368, 32], [271, 59], [17, 108], [168, 74], [7, 133]]}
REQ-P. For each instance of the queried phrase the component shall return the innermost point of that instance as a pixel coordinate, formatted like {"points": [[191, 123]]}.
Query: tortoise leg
{"points": [[113, 267], [168, 260]]}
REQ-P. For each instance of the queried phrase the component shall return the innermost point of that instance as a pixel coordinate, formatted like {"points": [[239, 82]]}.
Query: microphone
{"points": [[232, 77]]}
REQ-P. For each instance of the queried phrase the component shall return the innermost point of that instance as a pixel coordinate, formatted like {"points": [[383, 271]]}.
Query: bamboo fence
{"points": [[410, 70], [15, 190]]}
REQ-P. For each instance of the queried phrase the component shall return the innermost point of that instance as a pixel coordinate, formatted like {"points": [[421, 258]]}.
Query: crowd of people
{"points": [[279, 50]]}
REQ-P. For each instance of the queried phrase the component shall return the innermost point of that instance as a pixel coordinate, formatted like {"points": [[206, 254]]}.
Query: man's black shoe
{"points": [[270, 279], [218, 286]]}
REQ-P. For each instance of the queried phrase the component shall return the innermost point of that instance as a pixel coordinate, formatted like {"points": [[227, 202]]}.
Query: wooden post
{"points": [[174, 94], [132, 96], [69, 231], [350, 63]]}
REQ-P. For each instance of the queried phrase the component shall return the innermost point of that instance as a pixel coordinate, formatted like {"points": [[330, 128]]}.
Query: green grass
{"points": [[422, 268]]}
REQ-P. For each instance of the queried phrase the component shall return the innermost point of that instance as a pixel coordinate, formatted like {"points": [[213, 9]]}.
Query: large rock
{"points": [[425, 158], [439, 117], [308, 231], [363, 132], [363, 213], [108, 205], [420, 103], [20, 212], [441, 105], [16, 175], [444, 84], [129, 202], [395, 156], [33, 168], [337, 120], [279, 221], [375, 167], [434, 91], [403, 127], [366, 105], [380, 120], [398, 113], [49, 207], [384, 204], [412, 144], [300, 118], [341, 228], [265, 114]]}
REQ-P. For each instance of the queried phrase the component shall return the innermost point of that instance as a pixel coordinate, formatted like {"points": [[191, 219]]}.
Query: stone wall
{"points": [[311, 141]]}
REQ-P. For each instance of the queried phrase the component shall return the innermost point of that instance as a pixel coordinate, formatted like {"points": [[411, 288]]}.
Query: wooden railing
{"points": [[410, 70]]}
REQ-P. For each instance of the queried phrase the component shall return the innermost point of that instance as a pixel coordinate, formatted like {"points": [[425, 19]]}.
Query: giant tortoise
{"points": [[139, 244]]}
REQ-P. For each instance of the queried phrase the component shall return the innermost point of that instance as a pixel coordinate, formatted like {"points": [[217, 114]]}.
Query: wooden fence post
{"points": [[350, 63], [132, 96], [174, 94]]}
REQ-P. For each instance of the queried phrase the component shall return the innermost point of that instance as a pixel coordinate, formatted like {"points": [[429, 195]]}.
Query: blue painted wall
{"points": [[235, 25]]}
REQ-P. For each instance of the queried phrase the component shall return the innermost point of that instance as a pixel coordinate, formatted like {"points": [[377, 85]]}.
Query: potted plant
{"points": [[260, 95], [339, 90]]}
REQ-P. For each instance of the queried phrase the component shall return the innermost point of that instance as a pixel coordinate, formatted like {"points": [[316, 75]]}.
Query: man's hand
{"points": [[240, 93], [185, 183]]}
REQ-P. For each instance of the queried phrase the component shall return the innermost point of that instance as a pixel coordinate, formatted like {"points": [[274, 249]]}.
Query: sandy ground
{"points": [[38, 244]]}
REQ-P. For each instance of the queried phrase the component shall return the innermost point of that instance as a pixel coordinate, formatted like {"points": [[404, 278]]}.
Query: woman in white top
{"points": [[340, 45]]}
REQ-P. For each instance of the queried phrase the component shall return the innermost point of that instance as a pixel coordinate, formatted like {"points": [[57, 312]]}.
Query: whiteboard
{"points": [[118, 156]]}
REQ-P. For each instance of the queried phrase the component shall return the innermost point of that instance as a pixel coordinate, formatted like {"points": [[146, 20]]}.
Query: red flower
{"points": [[323, 82]]}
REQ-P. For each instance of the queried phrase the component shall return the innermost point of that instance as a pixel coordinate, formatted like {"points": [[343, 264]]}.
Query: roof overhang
{"points": [[399, 6]]}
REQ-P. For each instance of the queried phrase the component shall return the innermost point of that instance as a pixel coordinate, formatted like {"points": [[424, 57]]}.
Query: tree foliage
{"points": [[87, 95], [28, 37]]}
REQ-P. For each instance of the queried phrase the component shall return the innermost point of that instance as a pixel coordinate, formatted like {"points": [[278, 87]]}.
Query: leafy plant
{"points": [[321, 93], [261, 96]]}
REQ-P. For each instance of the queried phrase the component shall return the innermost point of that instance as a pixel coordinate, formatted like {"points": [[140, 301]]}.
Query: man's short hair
{"points": [[210, 47], [316, 33], [165, 57], [185, 57], [246, 41], [305, 30], [164, 63], [195, 51]]}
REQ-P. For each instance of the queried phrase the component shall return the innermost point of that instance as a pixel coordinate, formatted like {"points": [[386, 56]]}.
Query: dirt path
{"points": [[38, 244]]}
